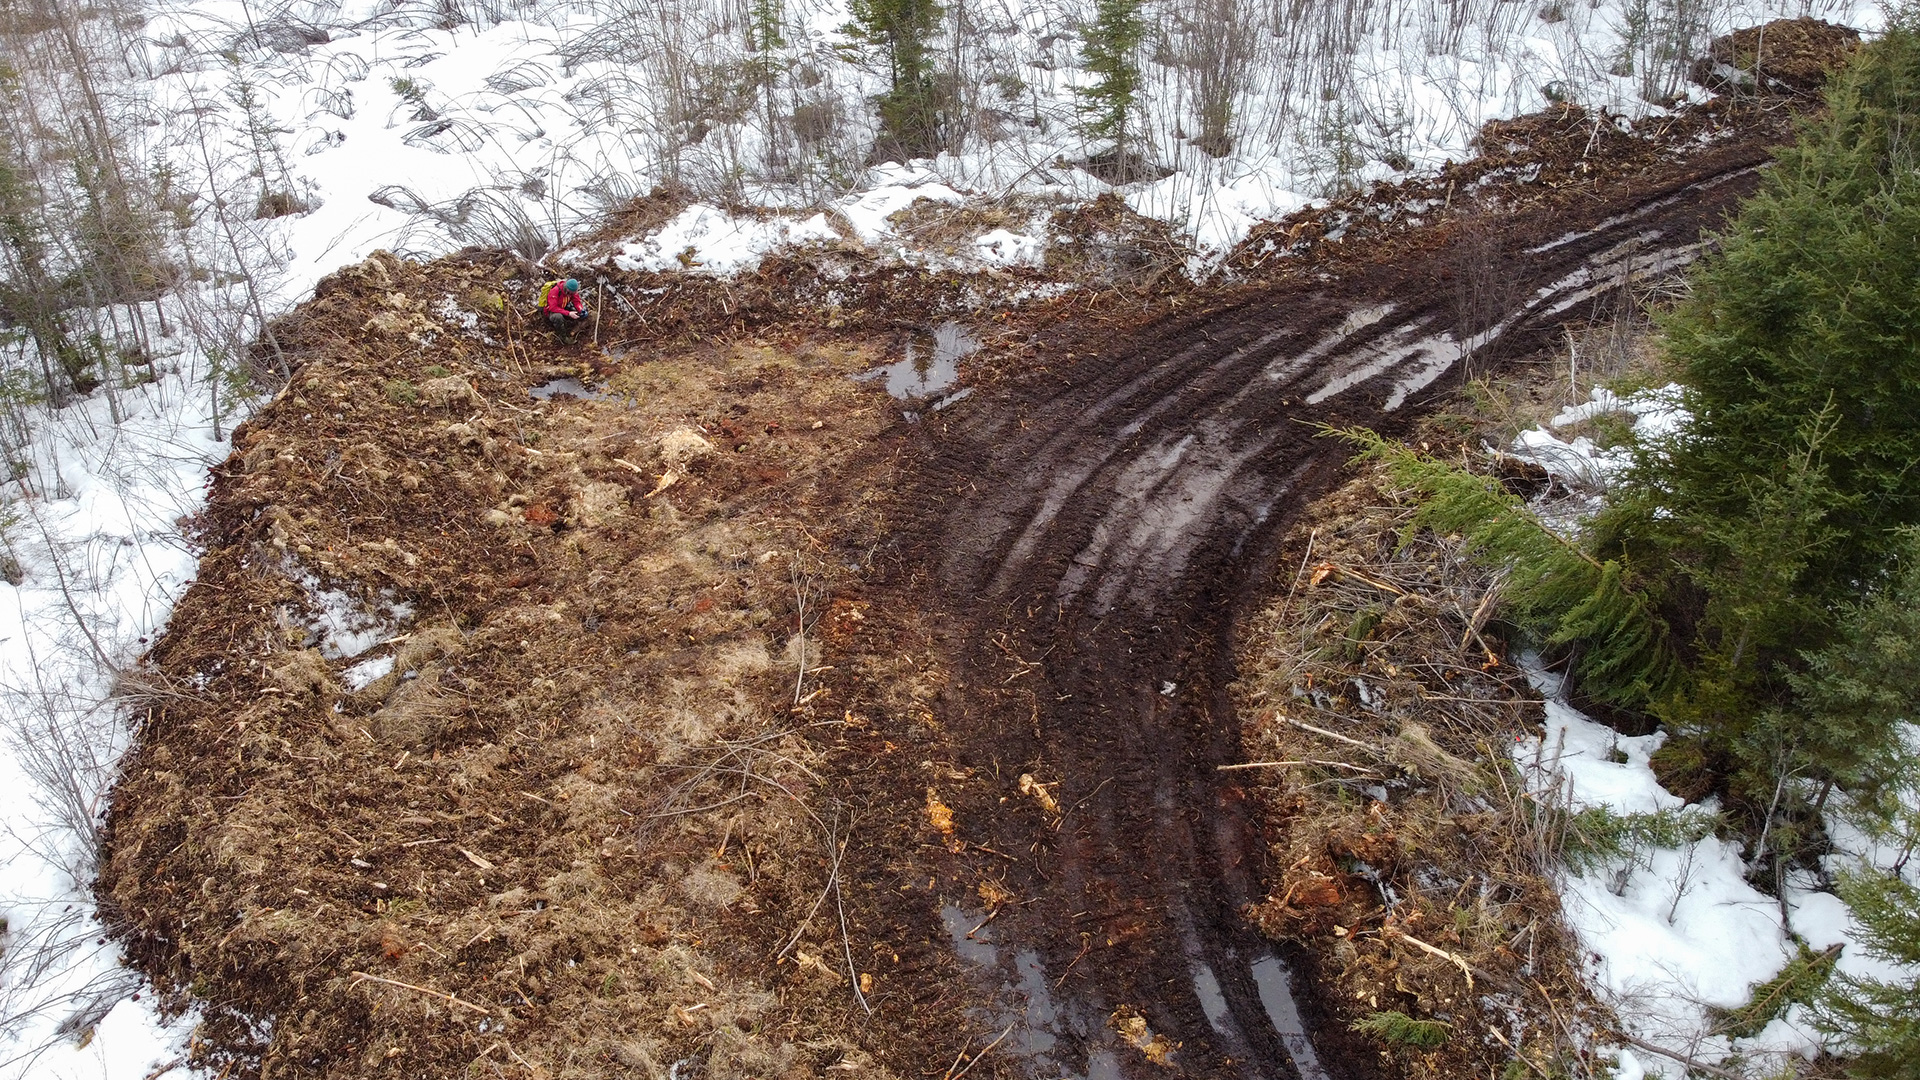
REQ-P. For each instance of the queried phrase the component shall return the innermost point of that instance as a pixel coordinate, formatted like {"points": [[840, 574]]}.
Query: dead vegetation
{"points": [[492, 739], [552, 738], [1528, 162], [1408, 860]]}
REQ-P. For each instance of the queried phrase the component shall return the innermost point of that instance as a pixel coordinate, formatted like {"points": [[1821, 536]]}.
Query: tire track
{"points": [[1116, 524]]}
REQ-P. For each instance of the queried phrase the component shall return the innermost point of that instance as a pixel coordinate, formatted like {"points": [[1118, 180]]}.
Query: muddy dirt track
{"points": [[1092, 534]]}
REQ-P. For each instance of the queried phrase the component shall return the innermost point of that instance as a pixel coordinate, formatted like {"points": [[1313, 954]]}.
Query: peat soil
{"points": [[733, 720], [1090, 534]]}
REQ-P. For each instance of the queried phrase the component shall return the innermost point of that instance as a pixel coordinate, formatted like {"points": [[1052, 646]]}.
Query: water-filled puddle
{"points": [[1038, 1020], [931, 365], [567, 388], [1212, 1002], [975, 948], [1276, 994]]}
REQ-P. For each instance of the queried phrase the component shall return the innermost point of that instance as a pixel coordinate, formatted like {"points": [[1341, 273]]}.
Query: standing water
{"points": [[931, 365]]}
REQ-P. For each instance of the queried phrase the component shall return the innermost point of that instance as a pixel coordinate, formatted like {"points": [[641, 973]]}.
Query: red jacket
{"points": [[562, 302]]}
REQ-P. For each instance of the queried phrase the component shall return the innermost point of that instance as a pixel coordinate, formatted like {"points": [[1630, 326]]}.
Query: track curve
{"points": [[1106, 528]]}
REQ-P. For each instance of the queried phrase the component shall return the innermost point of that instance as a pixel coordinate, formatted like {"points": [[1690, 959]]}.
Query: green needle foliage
{"points": [[1111, 55], [1851, 697], [1786, 495], [913, 110], [1879, 1019], [1552, 587], [1596, 836], [1755, 579], [1751, 580], [1797, 984], [1397, 1027]]}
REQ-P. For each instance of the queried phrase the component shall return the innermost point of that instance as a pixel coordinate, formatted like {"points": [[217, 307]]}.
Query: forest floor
{"points": [[727, 716]]}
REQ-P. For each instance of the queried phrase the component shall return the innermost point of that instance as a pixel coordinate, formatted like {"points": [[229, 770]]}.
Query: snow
{"points": [[365, 672], [709, 240], [1675, 932], [344, 627], [93, 526], [415, 136], [1582, 464], [869, 211], [400, 133], [1003, 247]]}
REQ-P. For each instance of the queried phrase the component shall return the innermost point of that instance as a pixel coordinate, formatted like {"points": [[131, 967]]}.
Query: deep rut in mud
{"points": [[1099, 531]]}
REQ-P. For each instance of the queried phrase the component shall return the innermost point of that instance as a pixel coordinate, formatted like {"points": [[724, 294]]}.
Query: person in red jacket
{"points": [[566, 308]]}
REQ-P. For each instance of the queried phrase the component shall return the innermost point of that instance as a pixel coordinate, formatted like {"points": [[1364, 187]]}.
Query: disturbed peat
{"points": [[495, 728], [1091, 534], [728, 720], [1409, 867]]}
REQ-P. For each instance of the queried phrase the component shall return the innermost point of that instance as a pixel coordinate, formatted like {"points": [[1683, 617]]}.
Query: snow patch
{"points": [[708, 240]]}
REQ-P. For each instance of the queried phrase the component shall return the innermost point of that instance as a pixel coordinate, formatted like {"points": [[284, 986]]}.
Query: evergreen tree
{"points": [[1877, 1018], [1568, 598], [913, 110], [764, 38], [1853, 695], [1752, 582], [29, 296], [1799, 350], [1112, 44], [1783, 506]]}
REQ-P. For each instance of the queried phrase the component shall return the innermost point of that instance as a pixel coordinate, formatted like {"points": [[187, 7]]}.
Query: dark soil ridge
{"points": [[1091, 536]]}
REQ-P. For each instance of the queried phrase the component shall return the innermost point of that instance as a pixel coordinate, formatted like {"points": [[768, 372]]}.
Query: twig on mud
{"points": [[703, 809], [846, 939], [165, 1068], [1431, 950], [800, 619], [1086, 946], [1089, 798], [1297, 574], [361, 976], [1303, 761], [1334, 735], [1495, 1032], [821, 899], [983, 1053], [1479, 612], [968, 1041], [1321, 572]]}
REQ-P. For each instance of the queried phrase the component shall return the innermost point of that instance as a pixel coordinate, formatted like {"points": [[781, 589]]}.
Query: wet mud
{"points": [[1089, 535]]}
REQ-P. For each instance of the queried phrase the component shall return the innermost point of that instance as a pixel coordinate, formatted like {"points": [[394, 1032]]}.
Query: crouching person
{"points": [[566, 309]]}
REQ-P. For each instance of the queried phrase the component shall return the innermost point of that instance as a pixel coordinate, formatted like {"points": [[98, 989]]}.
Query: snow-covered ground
{"points": [[101, 559], [1674, 932], [420, 128], [519, 130]]}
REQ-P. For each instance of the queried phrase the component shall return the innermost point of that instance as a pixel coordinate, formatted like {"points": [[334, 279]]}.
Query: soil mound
{"points": [[1785, 56]]}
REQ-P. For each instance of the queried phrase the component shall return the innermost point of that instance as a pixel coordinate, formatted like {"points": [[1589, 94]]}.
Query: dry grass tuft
{"points": [[1407, 860]]}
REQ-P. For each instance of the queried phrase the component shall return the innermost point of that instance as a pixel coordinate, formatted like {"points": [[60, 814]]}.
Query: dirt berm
{"points": [[725, 721]]}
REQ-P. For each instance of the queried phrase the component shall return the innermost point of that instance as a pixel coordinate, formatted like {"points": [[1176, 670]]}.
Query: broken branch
{"points": [[361, 976], [1334, 735], [1431, 950], [1302, 761]]}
